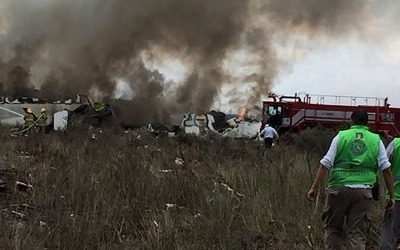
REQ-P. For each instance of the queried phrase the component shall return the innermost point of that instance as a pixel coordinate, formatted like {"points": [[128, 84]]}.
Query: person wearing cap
{"points": [[351, 165], [391, 221], [29, 120], [269, 134], [41, 122]]}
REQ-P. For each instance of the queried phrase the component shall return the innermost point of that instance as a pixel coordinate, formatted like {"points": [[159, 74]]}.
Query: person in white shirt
{"points": [[269, 134], [351, 164]]}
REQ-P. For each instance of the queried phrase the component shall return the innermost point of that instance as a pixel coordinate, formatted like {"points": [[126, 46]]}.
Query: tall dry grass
{"points": [[135, 191]]}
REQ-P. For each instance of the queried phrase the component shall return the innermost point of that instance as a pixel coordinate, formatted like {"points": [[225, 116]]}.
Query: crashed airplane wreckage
{"points": [[81, 110], [232, 126], [61, 113]]}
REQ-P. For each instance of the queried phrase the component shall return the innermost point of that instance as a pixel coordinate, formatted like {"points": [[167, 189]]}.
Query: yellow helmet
{"points": [[42, 110], [29, 111]]}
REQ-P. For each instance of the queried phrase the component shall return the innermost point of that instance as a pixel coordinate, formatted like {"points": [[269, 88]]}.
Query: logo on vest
{"points": [[357, 147]]}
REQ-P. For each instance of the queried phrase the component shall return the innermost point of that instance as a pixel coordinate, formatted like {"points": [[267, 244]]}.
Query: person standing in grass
{"points": [[350, 165], [269, 134], [391, 221]]}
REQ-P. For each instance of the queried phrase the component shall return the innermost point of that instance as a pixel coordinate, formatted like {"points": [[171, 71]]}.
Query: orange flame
{"points": [[241, 114]]}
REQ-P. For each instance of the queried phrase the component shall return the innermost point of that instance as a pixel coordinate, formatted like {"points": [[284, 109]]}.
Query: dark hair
{"points": [[360, 117]]}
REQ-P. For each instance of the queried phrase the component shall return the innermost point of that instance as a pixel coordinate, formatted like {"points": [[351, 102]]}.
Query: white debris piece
{"points": [[227, 187], [197, 123], [23, 186], [20, 215], [179, 161], [232, 123], [61, 120], [244, 130], [42, 226], [231, 190], [170, 205], [166, 170], [192, 130], [150, 128]]}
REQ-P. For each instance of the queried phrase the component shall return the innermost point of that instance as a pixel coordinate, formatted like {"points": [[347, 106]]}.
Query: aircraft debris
{"points": [[18, 214], [215, 122], [21, 186], [165, 171], [170, 205], [179, 161]]}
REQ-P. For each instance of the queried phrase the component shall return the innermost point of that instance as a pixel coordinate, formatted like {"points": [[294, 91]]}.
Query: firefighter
{"points": [[351, 163], [99, 107], [29, 121], [391, 222], [41, 122]]}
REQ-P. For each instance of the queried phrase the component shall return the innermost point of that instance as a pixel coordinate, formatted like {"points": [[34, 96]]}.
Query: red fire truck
{"points": [[295, 113]]}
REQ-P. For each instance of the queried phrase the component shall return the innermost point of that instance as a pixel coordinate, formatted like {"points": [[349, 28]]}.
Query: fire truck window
{"points": [[265, 110], [274, 110], [387, 117]]}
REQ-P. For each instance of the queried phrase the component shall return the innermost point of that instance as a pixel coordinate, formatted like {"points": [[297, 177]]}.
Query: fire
{"points": [[241, 114]]}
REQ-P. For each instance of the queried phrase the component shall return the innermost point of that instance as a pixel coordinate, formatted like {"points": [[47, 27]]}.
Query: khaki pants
{"points": [[350, 205]]}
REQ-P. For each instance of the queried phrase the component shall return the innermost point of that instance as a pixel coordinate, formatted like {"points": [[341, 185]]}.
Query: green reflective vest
{"points": [[395, 160], [356, 158]]}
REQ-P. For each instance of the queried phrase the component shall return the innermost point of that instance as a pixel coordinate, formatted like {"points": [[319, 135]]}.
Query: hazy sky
{"points": [[350, 68], [354, 68]]}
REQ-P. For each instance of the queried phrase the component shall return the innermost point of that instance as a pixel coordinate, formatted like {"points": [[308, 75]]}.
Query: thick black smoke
{"points": [[75, 46]]}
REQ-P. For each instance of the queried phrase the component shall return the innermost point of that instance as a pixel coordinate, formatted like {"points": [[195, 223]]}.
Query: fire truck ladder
{"points": [[345, 100]]}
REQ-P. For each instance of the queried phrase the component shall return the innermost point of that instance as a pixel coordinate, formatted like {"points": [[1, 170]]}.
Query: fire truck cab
{"points": [[300, 111]]}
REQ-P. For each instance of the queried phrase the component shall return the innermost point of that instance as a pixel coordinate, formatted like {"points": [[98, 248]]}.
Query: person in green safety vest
{"points": [[350, 166], [391, 221]]}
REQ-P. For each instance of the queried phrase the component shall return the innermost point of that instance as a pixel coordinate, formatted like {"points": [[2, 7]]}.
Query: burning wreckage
{"points": [[226, 125], [81, 110]]}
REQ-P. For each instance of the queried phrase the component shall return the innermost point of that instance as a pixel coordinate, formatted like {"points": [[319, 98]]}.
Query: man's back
{"points": [[269, 132]]}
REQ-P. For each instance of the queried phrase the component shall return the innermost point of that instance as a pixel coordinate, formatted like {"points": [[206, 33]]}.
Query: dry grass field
{"points": [[135, 191]]}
